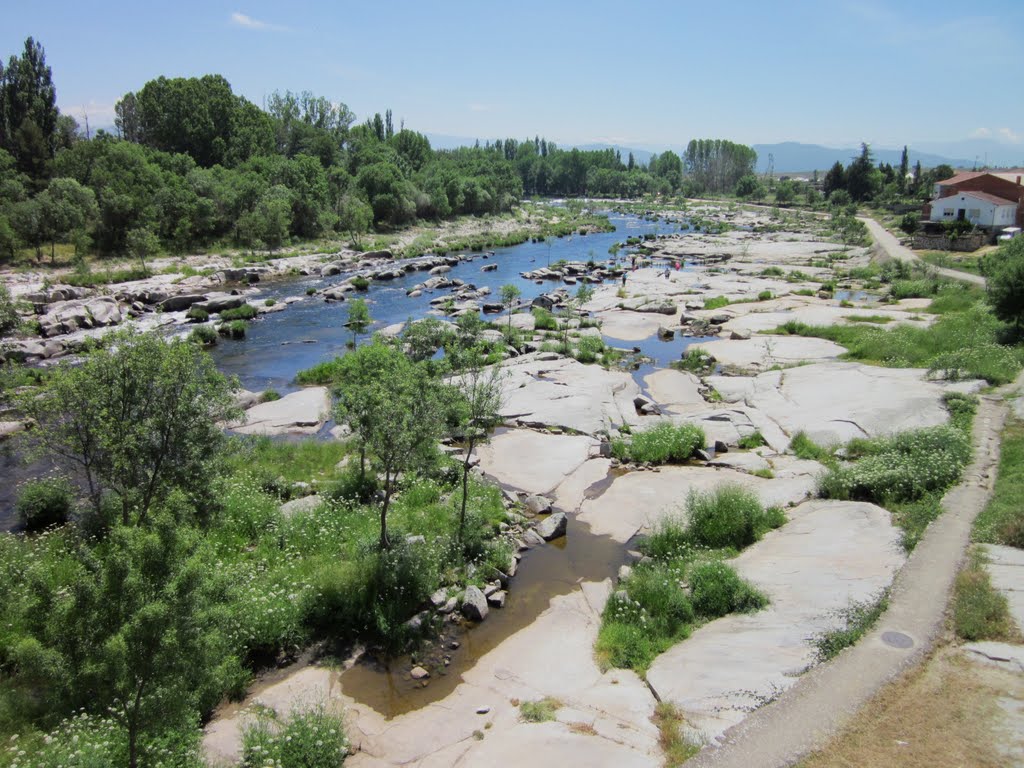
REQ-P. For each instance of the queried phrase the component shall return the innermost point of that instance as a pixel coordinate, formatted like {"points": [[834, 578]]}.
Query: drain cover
{"points": [[897, 640]]}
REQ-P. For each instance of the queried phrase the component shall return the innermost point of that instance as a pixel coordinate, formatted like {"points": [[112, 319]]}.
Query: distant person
{"points": [[677, 266], [624, 278], [667, 272]]}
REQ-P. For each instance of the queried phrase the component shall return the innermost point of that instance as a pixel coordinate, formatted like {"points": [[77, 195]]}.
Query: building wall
{"points": [[1008, 190], [979, 212]]}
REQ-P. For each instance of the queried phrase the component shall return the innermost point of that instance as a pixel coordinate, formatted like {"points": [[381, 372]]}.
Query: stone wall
{"points": [[966, 243]]}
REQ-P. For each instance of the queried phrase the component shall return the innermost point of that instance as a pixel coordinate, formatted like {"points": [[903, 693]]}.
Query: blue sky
{"points": [[638, 74]]}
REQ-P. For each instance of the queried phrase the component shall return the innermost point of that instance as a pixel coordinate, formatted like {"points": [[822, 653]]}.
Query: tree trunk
{"points": [[385, 543], [465, 486]]}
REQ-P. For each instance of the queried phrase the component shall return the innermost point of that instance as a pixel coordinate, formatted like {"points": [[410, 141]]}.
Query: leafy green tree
{"points": [[141, 243], [65, 206], [749, 187], [477, 412], [358, 318], [9, 320], [139, 637], [863, 179], [28, 111], [785, 192], [394, 406], [1005, 282], [835, 180], [354, 217], [137, 420], [509, 298]]}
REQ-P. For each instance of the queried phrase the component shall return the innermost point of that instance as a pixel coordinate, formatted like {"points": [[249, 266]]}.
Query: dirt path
{"points": [[826, 698], [892, 248]]}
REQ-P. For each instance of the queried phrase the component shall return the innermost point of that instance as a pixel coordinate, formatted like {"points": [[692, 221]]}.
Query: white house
{"points": [[979, 208]]}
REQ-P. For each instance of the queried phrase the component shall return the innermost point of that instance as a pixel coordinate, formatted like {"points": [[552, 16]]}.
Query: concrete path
{"points": [[892, 248], [826, 698]]}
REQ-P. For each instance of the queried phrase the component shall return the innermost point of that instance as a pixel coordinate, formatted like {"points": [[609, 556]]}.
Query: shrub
{"points": [[765, 296], [244, 312], [900, 468], [588, 348], [753, 440], [695, 360], [360, 283], [45, 502], [729, 516], [233, 330], [269, 303], [772, 271], [308, 738], [204, 335], [539, 711], [717, 590], [197, 314], [716, 303], [544, 320], [669, 540], [270, 395], [807, 449], [664, 443]]}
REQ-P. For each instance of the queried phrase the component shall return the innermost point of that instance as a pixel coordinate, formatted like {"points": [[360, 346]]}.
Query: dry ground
{"points": [[942, 714]]}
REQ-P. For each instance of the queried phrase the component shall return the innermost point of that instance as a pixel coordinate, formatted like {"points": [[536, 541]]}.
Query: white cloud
{"points": [[1008, 135], [981, 133], [100, 114], [248, 22]]}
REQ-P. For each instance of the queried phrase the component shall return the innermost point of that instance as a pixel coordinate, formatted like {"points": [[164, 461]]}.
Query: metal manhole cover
{"points": [[897, 640]]}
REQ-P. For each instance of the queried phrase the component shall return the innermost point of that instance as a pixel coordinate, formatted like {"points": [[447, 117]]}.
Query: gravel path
{"points": [[891, 246], [819, 705]]}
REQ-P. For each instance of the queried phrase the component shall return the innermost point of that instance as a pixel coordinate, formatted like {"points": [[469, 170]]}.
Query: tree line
{"points": [[191, 164]]}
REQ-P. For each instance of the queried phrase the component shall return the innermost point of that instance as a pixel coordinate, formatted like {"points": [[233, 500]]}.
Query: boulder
{"points": [[304, 504], [418, 673], [474, 604], [740, 334], [382, 254], [537, 505], [180, 302], [553, 526], [497, 599], [216, 304], [489, 268], [666, 333]]}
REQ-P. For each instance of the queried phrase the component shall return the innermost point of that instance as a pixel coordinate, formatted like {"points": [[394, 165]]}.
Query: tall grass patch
{"points": [[662, 444], [1002, 520]]}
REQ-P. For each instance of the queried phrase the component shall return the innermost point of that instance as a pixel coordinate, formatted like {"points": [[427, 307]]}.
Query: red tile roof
{"points": [[1010, 176]]}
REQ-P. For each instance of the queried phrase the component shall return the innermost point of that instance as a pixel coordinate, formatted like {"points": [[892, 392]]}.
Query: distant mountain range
{"points": [[792, 156]]}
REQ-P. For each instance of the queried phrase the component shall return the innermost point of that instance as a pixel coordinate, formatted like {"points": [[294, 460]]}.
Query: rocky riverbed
{"points": [[559, 418]]}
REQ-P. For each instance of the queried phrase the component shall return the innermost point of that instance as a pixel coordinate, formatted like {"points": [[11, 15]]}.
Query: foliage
{"points": [[309, 737], [856, 619], [717, 590], [716, 165], [980, 611], [807, 449], [137, 419], [9, 319], [243, 312], [729, 516], [358, 318], [664, 443], [716, 303], [544, 320], [1002, 520], [674, 746], [1006, 282], [540, 711], [900, 468], [44, 502], [753, 440]]}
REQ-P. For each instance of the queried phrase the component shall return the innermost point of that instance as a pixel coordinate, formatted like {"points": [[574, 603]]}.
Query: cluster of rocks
{"points": [[574, 272], [538, 524]]}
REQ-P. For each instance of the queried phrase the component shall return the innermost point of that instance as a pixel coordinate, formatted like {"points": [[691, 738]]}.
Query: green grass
{"points": [[962, 344], [544, 320], [753, 440], [945, 260], [540, 711], [274, 462], [651, 611], [980, 611], [807, 449], [243, 312], [908, 473], [312, 737], [876, 319], [665, 443], [323, 373], [716, 302], [674, 746], [1002, 520], [857, 619], [105, 277]]}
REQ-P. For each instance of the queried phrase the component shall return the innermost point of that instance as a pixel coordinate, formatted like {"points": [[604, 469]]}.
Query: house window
{"points": [[947, 213]]}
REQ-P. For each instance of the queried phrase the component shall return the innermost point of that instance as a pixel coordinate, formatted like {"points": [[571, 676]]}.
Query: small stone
{"points": [[418, 673], [702, 455], [483, 710], [454, 645], [721, 447], [497, 600], [742, 334], [532, 539], [491, 588], [625, 572], [439, 598], [474, 604], [449, 606]]}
